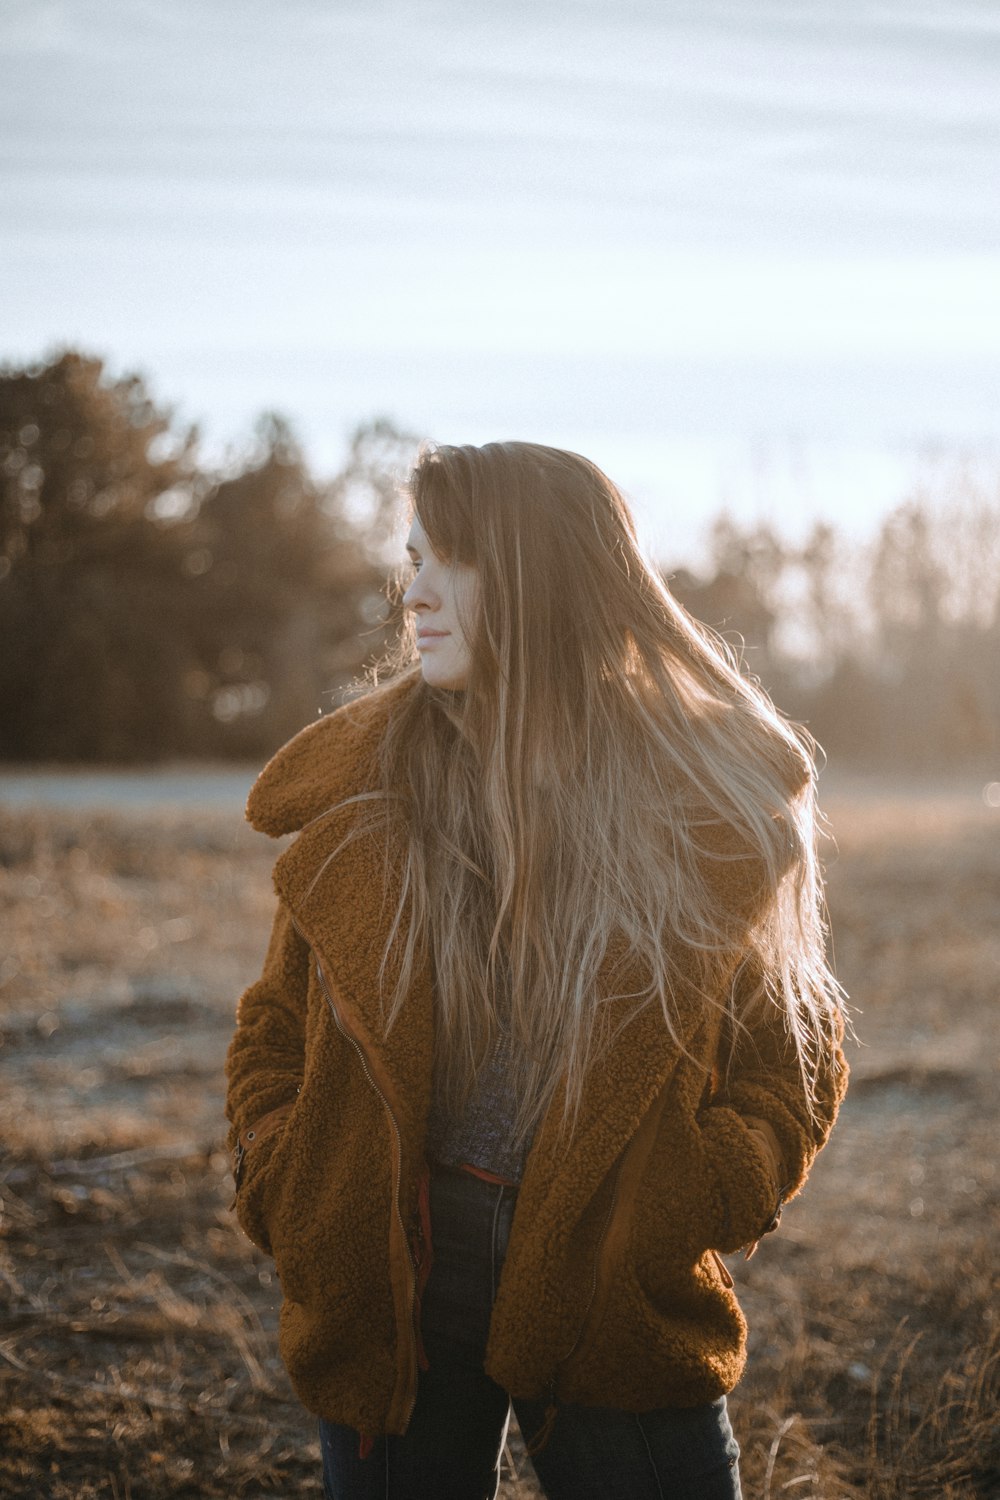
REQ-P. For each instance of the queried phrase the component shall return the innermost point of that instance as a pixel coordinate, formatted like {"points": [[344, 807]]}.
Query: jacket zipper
{"points": [[411, 1338]]}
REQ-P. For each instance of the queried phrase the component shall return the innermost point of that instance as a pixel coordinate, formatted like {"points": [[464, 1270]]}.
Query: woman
{"points": [[545, 1025]]}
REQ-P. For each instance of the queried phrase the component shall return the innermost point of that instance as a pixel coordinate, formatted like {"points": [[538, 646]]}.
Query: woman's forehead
{"points": [[417, 537]]}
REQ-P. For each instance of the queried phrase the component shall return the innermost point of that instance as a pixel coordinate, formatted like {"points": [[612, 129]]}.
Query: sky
{"points": [[740, 254]]}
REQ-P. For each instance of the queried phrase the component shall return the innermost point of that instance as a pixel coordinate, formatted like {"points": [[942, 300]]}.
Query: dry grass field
{"points": [[137, 1353]]}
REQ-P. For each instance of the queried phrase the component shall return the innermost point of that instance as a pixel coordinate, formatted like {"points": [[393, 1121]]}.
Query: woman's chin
{"points": [[442, 678]]}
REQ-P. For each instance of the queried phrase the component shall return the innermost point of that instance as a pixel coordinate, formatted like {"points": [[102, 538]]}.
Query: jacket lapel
{"points": [[335, 883]]}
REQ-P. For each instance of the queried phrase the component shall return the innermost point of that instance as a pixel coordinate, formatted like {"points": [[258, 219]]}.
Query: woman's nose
{"points": [[418, 595]]}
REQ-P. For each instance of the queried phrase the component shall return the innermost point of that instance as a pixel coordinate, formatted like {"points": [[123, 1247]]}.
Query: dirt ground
{"points": [[137, 1349]]}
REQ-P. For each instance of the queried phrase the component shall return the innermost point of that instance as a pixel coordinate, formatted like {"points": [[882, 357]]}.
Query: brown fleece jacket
{"points": [[612, 1292]]}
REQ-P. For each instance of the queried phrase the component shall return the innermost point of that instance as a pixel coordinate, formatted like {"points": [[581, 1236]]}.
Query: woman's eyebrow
{"points": [[412, 550]]}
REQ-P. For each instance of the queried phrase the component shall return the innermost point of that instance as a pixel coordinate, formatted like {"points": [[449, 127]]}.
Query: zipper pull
{"points": [[544, 1432], [724, 1271]]}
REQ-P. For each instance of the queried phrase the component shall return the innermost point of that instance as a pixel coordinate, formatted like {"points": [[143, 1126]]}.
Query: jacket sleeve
{"points": [[265, 1064], [759, 1133]]}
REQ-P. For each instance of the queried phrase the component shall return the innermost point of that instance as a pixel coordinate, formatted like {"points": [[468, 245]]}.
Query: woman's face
{"points": [[444, 596]]}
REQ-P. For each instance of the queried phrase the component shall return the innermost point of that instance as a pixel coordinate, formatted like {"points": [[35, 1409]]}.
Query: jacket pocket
{"points": [[676, 1209], [250, 1140], [709, 1185], [256, 1158], [742, 1169]]}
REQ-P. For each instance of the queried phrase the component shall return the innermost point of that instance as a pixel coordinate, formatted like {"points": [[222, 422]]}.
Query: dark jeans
{"points": [[452, 1447]]}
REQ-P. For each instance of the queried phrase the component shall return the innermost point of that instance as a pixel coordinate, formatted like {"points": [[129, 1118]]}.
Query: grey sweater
{"points": [[482, 1135]]}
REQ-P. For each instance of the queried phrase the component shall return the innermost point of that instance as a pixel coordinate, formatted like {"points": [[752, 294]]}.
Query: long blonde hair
{"points": [[552, 808]]}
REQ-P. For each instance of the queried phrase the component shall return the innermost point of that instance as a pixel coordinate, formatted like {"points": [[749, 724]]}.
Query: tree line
{"points": [[152, 607]]}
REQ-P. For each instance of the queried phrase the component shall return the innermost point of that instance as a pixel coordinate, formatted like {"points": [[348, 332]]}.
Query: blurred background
{"points": [[743, 255]]}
